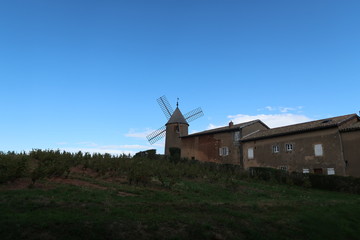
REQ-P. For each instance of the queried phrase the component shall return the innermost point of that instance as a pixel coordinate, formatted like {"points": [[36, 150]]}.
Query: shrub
{"points": [[335, 183], [12, 166]]}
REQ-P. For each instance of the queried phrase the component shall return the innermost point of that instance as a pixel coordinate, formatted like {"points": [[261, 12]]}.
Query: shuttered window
{"points": [[318, 149], [223, 151], [250, 153]]}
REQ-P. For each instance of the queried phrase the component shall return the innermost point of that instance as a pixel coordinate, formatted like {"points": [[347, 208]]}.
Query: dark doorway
{"points": [[318, 171]]}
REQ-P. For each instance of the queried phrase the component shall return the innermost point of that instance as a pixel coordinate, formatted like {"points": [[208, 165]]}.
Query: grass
{"points": [[192, 209]]}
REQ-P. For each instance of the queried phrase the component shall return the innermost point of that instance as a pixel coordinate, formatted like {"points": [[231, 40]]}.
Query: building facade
{"points": [[221, 145], [327, 146]]}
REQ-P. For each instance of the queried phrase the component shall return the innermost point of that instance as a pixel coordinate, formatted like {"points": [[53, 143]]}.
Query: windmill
{"points": [[176, 126]]}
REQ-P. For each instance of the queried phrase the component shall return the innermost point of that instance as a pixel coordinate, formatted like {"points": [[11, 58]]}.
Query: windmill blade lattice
{"points": [[194, 114], [156, 135], [165, 106]]}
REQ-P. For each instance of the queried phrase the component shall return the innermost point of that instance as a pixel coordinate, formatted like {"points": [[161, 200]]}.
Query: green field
{"points": [[86, 206]]}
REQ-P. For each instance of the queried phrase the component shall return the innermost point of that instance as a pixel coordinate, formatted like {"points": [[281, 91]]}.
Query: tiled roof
{"points": [[177, 117], [352, 127], [225, 129], [302, 127]]}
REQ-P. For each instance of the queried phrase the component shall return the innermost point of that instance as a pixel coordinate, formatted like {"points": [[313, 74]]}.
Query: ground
{"points": [[88, 206]]}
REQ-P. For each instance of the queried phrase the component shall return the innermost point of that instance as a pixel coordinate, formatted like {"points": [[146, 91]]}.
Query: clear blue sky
{"points": [[86, 74]]}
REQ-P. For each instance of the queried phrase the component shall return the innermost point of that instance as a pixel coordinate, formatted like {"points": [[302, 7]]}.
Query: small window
{"points": [[289, 147], [306, 170], [330, 171], [177, 129], [318, 149], [237, 136], [224, 151], [284, 168], [250, 153], [275, 149]]}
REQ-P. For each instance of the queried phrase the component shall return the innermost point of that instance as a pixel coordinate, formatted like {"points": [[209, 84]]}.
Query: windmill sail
{"points": [[168, 111], [165, 107], [194, 114], [156, 135]]}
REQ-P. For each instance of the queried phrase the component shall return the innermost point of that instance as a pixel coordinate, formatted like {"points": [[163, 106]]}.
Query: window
{"points": [[237, 136], [306, 170], [330, 171], [318, 149], [250, 153], [223, 151], [289, 147], [275, 149], [284, 168]]}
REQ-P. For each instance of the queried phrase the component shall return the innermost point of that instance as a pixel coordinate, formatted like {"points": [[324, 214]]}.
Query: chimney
{"points": [[231, 124]]}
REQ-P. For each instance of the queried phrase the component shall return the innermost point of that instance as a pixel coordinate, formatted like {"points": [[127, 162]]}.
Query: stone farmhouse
{"points": [[328, 146]]}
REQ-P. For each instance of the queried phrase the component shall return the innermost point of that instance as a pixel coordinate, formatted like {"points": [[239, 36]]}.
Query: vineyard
{"points": [[46, 194], [39, 164]]}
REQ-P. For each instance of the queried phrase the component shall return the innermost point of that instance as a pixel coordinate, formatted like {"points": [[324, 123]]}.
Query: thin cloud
{"points": [[142, 135], [213, 126], [281, 109], [89, 144], [99, 150], [125, 147], [272, 120]]}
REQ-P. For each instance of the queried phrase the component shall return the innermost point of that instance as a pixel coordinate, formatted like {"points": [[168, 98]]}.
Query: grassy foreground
{"points": [[85, 207]]}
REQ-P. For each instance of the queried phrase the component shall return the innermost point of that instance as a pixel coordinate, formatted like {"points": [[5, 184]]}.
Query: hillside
{"points": [[90, 204]]}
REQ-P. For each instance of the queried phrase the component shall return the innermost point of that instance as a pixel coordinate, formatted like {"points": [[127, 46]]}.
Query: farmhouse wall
{"points": [[351, 148], [174, 132], [302, 156], [207, 147]]}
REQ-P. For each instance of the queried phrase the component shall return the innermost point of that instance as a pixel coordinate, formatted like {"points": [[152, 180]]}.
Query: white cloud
{"points": [[272, 120], [212, 126], [125, 147], [133, 134], [286, 109], [282, 109], [270, 108], [111, 149], [99, 150]]}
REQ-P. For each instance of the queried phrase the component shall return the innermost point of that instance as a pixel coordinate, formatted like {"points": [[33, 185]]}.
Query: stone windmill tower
{"points": [[176, 126]]}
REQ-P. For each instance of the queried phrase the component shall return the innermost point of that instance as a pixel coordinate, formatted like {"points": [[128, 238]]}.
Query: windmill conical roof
{"points": [[177, 117]]}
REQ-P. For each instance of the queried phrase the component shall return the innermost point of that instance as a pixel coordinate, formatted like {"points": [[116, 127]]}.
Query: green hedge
{"points": [[325, 182]]}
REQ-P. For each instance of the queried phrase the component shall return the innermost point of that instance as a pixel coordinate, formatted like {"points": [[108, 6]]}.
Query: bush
{"points": [[324, 182], [335, 183], [13, 166], [269, 174]]}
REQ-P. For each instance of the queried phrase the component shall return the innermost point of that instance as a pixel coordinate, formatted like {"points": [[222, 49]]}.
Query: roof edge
{"points": [[224, 129]]}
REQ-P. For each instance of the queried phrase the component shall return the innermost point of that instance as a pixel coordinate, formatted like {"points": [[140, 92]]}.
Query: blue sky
{"points": [[85, 75]]}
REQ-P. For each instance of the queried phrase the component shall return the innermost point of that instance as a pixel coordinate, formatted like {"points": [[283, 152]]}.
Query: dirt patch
{"points": [[126, 194], [85, 172], [76, 182], [24, 183]]}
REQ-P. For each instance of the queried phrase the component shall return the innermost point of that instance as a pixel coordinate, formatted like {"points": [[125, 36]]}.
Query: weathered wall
{"points": [[173, 133], [206, 147], [253, 128], [351, 148], [302, 156]]}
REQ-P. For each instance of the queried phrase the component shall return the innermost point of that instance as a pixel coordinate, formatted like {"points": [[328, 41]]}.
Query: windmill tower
{"points": [[176, 126]]}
